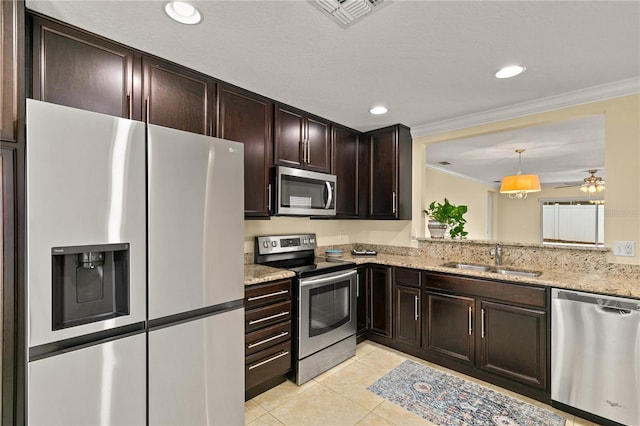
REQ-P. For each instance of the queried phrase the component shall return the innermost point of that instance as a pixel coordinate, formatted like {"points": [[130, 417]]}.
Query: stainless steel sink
{"points": [[468, 266], [502, 270], [516, 272]]}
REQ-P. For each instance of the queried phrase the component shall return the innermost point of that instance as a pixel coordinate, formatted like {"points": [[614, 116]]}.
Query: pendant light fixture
{"points": [[519, 185]]}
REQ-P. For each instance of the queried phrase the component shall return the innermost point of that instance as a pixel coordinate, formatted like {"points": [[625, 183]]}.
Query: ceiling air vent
{"points": [[346, 12]]}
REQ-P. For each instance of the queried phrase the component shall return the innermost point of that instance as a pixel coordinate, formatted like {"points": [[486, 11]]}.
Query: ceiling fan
{"points": [[591, 183]]}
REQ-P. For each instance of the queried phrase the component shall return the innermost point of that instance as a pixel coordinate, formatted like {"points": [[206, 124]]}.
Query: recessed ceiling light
{"points": [[183, 12], [510, 71], [378, 110]]}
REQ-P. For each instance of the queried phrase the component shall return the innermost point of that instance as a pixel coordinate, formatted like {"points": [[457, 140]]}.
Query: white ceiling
{"points": [[560, 153], [427, 61]]}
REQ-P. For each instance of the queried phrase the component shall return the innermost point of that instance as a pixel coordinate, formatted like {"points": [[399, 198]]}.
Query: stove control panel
{"points": [[272, 244]]}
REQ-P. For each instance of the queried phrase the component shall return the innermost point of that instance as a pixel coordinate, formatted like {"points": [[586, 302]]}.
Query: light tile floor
{"points": [[340, 396]]}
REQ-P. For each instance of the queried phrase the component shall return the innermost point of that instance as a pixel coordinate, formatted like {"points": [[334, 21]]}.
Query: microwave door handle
{"points": [[330, 195]]}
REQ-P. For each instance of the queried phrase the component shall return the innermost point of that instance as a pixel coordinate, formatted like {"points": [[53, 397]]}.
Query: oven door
{"points": [[326, 311]]}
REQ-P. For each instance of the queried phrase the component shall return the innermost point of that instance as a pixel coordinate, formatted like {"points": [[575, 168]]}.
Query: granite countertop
{"points": [[590, 282], [256, 274], [600, 282]]}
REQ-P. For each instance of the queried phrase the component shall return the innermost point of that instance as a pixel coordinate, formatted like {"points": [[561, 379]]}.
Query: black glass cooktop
{"points": [[321, 265]]}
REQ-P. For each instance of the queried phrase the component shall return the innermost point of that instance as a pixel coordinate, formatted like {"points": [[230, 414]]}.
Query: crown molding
{"points": [[602, 92]]}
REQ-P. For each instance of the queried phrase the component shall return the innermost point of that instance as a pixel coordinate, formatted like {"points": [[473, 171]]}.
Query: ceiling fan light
{"points": [[583, 188], [600, 187]]}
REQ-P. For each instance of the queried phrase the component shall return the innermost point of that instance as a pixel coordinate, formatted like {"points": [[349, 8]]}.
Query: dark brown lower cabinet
{"points": [[494, 330], [268, 317], [380, 303], [362, 301], [513, 342], [450, 326], [407, 319]]}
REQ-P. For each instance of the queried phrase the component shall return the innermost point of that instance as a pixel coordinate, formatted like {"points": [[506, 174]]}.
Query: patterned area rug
{"points": [[445, 399]]}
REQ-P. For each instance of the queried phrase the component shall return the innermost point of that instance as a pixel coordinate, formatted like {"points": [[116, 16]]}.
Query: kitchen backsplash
{"points": [[529, 256]]}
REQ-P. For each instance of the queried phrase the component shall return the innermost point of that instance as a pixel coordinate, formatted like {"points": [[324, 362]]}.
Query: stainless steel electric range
{"points": [[324, 301]]}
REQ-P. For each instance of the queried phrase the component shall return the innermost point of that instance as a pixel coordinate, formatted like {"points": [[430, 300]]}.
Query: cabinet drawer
{"points": [[263, 294], [266, 316], [520, 294], [267, 337], [404, 276], [267, 364]]}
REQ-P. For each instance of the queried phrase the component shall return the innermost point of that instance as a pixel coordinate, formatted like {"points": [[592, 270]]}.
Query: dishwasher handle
{"points": [[604, 304]]}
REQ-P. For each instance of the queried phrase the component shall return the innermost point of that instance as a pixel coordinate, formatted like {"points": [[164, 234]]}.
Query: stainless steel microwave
{"points": [[304, 193]]}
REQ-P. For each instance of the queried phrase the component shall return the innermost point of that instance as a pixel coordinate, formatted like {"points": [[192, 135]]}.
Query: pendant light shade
{"points": [[519, 185]]}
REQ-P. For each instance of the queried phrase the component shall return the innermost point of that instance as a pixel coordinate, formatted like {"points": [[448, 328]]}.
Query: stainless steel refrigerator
{"points": [[134, 272], [196, 292]]}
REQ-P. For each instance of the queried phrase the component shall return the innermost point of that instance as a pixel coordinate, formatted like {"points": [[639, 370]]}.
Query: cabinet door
{"points": [[12, 18], [512, 342], [345, 165], [383, 177], [246, 118], [75, 69], [288, 137], [177, 97], [407, 316], [318, 147], [361, 302], [450, 326], [380, 305]]}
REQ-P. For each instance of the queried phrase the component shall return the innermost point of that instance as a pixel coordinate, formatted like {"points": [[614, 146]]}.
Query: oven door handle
{"points": [[307, 282]]}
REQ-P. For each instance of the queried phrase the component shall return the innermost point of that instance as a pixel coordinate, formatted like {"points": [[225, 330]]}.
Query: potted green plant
{"points": [[446, 215]]}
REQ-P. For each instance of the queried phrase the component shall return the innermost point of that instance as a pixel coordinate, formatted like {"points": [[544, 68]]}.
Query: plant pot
{"points": [[437, 229]]}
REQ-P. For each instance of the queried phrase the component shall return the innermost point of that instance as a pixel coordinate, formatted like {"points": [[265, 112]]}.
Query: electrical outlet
{"points": [[624, 248]]}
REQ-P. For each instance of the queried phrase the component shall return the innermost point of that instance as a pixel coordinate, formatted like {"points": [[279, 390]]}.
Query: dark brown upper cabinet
{"points": [[177, 97], [11, 17], [246, 117], [301, 140], [389, 169], [79, 70], [345, 164]]}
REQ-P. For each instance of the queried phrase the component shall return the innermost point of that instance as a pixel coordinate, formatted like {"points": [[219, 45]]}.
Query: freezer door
{"points": [[196, 372], [98, 385], [85, 187], [196, 221]]}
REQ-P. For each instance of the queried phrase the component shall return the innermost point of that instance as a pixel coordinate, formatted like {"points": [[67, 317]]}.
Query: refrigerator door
{"points": [[98, 385], [196, 221], [85, 187], [196, 372]]}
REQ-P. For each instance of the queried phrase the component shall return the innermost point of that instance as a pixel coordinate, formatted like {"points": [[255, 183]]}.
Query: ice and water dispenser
{"points": [[89, 284]]}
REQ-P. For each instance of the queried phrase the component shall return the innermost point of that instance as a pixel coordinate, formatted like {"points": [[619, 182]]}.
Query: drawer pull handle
{"points": [[267, 340], [264, 296], [258, 321], [273, 358]]}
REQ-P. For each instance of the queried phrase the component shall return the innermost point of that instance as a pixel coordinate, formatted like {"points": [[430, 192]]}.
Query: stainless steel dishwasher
{"points": [[595, 354]]}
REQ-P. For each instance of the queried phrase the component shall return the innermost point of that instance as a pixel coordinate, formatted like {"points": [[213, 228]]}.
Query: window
{"points": [[573, 222]]}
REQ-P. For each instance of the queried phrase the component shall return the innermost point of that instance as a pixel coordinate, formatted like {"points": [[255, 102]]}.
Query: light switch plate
{"points": [[624, 248]]}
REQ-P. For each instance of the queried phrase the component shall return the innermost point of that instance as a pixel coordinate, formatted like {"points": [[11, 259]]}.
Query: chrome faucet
{"points": [[497, 253]]}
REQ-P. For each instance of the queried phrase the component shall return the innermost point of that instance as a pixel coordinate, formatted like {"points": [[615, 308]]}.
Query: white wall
{"points": [[460, 191], [331, 231]]}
